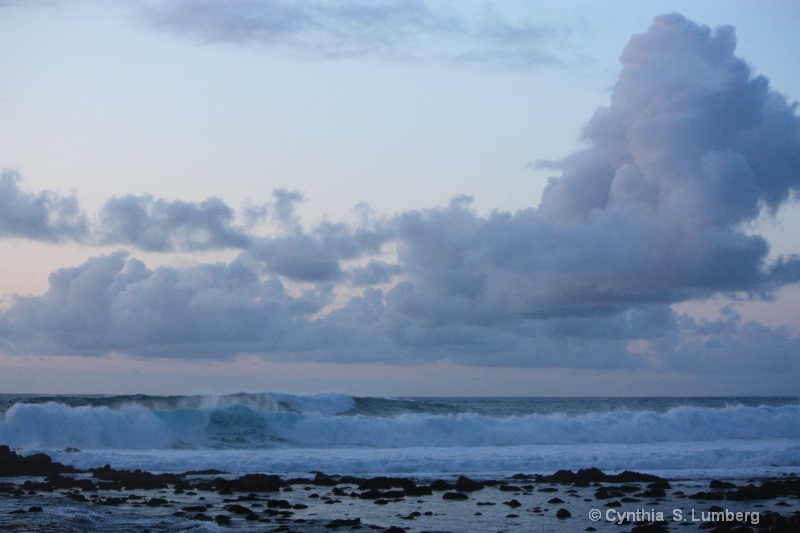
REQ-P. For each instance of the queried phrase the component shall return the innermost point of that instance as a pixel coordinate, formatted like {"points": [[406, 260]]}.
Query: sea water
{"points": [[419, 437]]}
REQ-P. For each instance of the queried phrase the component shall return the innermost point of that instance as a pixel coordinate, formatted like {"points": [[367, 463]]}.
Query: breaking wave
{"points": [[329, 421]]}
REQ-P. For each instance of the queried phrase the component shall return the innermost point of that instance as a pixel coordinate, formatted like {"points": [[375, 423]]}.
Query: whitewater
{"points": [[424, 437]]}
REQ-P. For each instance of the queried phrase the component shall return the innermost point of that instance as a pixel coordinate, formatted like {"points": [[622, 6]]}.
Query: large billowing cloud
{"points": [[690, 148], [651, 212]]}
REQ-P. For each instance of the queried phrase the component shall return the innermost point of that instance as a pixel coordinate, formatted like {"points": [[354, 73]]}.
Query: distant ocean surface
{"points": [[342, 434]]}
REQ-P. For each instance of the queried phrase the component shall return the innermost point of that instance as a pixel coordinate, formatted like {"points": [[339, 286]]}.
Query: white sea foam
{"points": [[336, 432]]}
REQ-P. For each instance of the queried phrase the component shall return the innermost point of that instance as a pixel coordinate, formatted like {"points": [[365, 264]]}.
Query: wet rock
{"points": [[653, 493], [716, 484], [595, 475], [465, 484], [208, 472], [454, 496], [195, 508], [343, 522], [563, 513], [770, 489], [37, 464], [384, 483], [712, 496], [257, 483], [136, 479], [513, 504], [278, 504], [419, 490], [238, 509], [441, 485]]}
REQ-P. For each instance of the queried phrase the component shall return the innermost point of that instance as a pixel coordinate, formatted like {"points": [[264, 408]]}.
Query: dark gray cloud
{"points": [[394, 29], [316, 256], [41, 216], [651, 212], [114, 303], [155, 224]]}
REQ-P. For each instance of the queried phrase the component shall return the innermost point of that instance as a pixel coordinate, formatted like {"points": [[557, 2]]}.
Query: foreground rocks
{"points": [[324, 502], [38, 464]]}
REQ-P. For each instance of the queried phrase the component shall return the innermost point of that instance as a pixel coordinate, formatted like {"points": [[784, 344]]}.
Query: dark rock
{"points": [[454, 496], [372, 494], [465, 484], [555, 500], [195, 508], [713, 496], [419, 490], [209, 472], [155, 502], [441, 485], [770, 489], [513, 504], [653, 493], [35, 509], [383, 483], [222, 519], [716, 484], [238, 509], [563, 513], [278, 504], [595, 475], [37, 464], [509, 488], [136, 479], [257, 483], [343, 522]]}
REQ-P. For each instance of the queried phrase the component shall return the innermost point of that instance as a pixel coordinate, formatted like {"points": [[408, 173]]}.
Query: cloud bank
{"points": [[389, 29], [650, 213]]}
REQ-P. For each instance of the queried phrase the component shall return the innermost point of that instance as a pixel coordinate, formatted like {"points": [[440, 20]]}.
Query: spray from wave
{"points": [[272, 420]]}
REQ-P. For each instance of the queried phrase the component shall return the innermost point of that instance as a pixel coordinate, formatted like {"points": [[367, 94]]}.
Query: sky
{"points": [[530, 198]]}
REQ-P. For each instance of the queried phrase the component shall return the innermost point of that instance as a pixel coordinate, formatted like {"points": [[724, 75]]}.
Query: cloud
{"points": [[155, 224], [316, 256], [651, 212], [114, 303], [42, 216], [390, 29]]}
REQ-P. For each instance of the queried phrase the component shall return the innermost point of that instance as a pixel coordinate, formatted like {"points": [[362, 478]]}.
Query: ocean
{"points": [[287, 434]]}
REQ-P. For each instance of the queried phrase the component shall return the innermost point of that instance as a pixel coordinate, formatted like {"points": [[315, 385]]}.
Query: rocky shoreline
{"points": [[587, 500]]}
